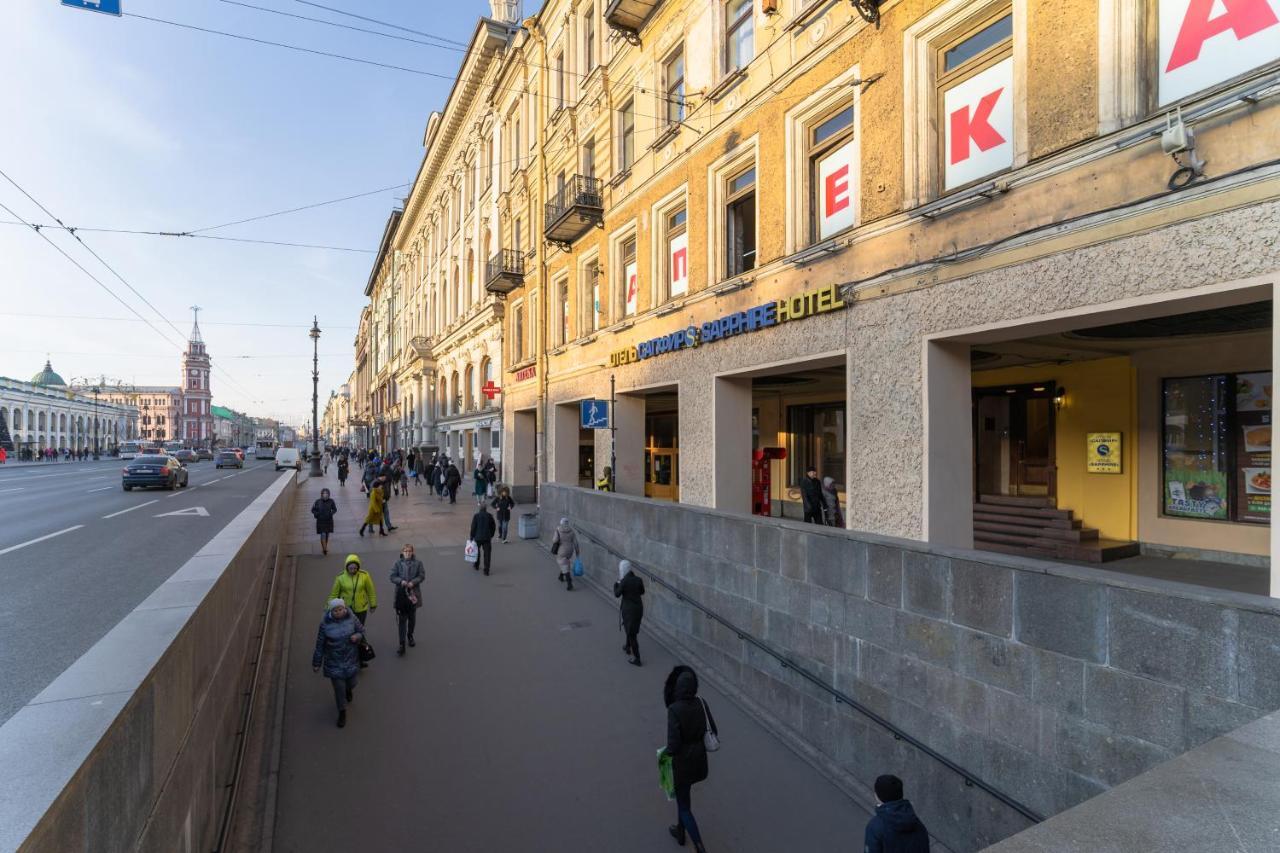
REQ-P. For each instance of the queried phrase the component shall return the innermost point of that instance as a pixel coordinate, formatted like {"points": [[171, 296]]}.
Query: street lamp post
{"points": [[96, 391], [315, 398]]}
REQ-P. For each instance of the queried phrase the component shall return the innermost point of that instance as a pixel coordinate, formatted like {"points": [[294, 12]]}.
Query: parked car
{"points": [[186, 456], [288, 457], [204, 453], [228, 459], [154, 470]]}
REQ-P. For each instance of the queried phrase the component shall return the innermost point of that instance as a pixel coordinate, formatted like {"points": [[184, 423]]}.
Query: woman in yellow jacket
{"points": [[374, 515], [355, 587]]}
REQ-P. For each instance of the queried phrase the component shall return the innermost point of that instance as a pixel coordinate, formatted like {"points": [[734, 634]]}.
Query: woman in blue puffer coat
{"points": [[338, 651]]}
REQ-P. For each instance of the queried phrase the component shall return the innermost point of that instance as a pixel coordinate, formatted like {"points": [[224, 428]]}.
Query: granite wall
{"points": [[1049, 682]]}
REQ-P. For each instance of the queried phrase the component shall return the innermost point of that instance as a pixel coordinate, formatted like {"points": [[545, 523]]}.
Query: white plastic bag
{"points": [[471, 552]]}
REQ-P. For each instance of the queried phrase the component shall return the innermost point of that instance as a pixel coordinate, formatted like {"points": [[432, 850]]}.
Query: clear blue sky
{"points": [[126, 123]]}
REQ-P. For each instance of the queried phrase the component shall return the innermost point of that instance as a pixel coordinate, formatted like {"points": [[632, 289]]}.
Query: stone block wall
{"points": [[1049, 682]]}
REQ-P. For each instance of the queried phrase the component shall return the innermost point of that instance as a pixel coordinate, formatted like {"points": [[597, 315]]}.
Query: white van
{"points": [[288, 457]]}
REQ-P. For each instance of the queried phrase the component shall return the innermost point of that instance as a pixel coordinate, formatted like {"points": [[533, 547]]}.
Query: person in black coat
{"points": [[687, 721], [503, 504], [324, 509], [894, 828], [811, 496], [482, 529], [452, 480], [630, 588]]}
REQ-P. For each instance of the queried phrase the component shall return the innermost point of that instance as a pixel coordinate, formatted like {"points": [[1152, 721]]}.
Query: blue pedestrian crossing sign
{"points": [[595, 414], [110, 7]]}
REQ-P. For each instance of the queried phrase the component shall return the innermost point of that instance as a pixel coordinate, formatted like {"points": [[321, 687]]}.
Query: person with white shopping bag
{"points": [[482, 529]]}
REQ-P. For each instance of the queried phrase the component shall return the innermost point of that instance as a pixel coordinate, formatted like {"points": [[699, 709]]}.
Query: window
{"points": [[676, 263], [673, 86], [630, 283], [589, 38], [740, 223], [739, 34], [1217, 447], [517, 242], [517, 332], [592, 313], [817, 437], [559, 64], [832, 154], [627, 136], [975, 97], [589, 159], [562, 301]]}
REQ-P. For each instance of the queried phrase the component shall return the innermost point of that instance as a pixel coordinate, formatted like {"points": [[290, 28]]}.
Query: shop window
{"points": [[1217, 447], [627, 136], [739, 34], [630, 283], [673, 86], [1202, 44], [975, 96], [832, 172], [740, 222], [817, 437]]}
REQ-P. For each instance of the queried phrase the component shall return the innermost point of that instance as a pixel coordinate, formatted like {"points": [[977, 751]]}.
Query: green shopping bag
{"points": [[666, 776]]}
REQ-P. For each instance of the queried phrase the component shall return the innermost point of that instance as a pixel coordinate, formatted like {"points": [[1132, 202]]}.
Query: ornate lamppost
{"points": [[96, 390], [315, 398]]}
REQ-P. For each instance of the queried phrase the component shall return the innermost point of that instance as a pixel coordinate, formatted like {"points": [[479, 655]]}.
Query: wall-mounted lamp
{"points": [[1179, 142], [1059, 397]]}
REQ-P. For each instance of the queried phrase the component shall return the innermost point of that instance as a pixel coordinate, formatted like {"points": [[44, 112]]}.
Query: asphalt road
{"points": [[106, 551]]}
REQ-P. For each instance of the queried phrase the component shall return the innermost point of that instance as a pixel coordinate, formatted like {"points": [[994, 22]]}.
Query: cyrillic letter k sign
{"points": [[975, 126]]}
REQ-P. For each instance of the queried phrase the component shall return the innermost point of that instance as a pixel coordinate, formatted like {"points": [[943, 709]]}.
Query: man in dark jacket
{"points": [[894, 828], [630, 588], [452, 480], [811, 495], [482, 529], [687, 719]]}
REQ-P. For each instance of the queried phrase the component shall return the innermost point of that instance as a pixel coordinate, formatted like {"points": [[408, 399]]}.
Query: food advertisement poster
{"points": [[1102, 455], [1253, 448], [1195, 492]]}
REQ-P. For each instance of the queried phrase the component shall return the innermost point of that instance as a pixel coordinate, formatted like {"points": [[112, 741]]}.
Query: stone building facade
{"points": [[933, 249], [46, 413]]}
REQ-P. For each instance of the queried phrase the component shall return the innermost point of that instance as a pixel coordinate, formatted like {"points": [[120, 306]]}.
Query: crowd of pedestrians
{"points": [[342, 648]]}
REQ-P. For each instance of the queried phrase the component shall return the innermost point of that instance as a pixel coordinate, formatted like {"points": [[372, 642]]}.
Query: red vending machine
{"points": [[761, 478]]}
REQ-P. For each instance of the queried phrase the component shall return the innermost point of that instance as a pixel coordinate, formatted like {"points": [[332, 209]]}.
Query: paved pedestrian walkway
{"points": [[516, 723]]}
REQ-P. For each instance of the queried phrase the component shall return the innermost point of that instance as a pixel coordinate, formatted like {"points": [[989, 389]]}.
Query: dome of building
{"points": [[48, 378]]}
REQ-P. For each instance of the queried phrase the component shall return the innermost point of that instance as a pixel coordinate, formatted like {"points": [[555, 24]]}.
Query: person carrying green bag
{"points": [[666, 778]]}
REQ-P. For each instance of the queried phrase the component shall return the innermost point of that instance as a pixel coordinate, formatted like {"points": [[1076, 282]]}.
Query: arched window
{"points": [[457, 295], [31, 419], [62, 422], [443, 399], [472, 293], [456, 404], [471, 387], [42, 422], [486, 376]]}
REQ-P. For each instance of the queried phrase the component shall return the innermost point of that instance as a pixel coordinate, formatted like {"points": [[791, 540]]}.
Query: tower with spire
{"points": [[197, 397]]}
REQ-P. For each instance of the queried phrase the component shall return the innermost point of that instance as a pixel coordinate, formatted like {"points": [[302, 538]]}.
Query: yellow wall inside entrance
{"points": [[1100, 398]]}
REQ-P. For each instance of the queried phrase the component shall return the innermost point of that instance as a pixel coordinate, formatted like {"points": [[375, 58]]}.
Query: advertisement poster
{"points": [[1103, 453], [1253, 450]]}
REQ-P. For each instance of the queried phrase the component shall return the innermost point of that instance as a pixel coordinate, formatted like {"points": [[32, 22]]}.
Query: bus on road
{"points": [[130, 450], [266, 449]]}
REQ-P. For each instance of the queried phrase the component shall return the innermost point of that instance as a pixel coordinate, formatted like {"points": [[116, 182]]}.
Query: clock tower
{"points": [[197, 398]]}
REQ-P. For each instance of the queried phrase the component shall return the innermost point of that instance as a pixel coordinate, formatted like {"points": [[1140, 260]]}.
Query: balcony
{"points": [[421, 345], [629, 16], [505, 272], [576, 209]]}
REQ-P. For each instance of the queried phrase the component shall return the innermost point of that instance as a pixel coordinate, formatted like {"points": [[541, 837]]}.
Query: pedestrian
{"points": [[503, 504], [386, 500], [565, 547], [482, 529], [811, 496], [344, 468], [374, 515], [605, 483], [630, 588], [338, 651], [831, 503], [894, 828], [491, 476], [452, 480], [324, 509], [407, 575], [481, 487], [404, 480], [688, 719], [354, 586]]}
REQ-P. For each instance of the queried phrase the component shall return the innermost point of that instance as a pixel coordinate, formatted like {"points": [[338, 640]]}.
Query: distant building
{"points": [[44, 413]]}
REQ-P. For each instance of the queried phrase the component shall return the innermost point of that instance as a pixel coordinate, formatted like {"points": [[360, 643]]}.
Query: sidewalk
{"points": [[516, 723]]}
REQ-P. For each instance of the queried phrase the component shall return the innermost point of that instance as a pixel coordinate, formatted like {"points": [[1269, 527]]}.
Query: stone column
{"points": [[564, 444], [629, 451], [948, 445], [731, 445]]}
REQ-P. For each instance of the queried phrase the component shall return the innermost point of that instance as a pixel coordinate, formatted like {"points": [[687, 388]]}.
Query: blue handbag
{"points": [[577, 567]]}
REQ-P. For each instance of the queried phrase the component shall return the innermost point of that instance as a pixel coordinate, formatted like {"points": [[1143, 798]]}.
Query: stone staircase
{"points": [[1035, 527]]}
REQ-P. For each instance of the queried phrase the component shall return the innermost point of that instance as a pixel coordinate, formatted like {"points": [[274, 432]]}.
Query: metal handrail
{"points": [[970, 779], [578, 191], [505, 261]]}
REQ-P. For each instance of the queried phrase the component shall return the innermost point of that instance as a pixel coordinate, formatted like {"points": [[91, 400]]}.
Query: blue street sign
{"points": [[110, 7], [595, 414]]}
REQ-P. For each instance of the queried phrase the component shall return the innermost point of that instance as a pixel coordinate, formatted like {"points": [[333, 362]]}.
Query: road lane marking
{"points": [[99, 489], [132, 508], [191, 510], [40, 539], [228, 477], [2, 491]]}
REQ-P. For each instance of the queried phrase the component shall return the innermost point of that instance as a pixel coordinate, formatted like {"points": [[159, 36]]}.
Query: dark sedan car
{"points": [[185, 456], [228, 459], [204, 453], [163, 471]]}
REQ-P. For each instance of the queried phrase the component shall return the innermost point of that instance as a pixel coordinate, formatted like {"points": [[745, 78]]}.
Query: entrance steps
{"points": [[1035, 527]]}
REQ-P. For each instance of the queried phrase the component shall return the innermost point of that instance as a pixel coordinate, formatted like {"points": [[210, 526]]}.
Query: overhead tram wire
{"points": [[73, 229], [112, 269], [97, 319], [381, 23], [299, 209], [284, 14]]}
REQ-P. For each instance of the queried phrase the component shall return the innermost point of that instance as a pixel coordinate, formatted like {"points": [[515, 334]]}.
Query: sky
{"points": [[128, 123]]}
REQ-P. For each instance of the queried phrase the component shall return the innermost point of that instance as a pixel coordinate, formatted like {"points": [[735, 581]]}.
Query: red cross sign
{"points": [[490, 390]]}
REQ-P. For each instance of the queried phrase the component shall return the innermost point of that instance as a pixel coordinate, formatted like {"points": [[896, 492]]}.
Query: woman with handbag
{"points": [[408, 575], [338, 651], [355, 587], [691, 734], [630, 588], [374, 514], [565, 547], [324, 509]]}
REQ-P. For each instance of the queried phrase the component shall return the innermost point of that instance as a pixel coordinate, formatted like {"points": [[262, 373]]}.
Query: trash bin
{"points": [[528, 527]]}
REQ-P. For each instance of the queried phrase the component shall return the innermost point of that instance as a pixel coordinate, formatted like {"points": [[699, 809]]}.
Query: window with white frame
{"points": [[589, 159], [563, 329], [974, 85], [739, 34], [673, 86], [592, 311], [627, 135], [629, 277], [1201, 44], [740, 222], [517, 331], [831, 170], [589, 38], [560, 80], [675, 259]]}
